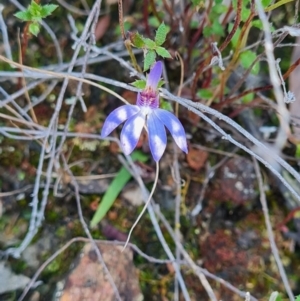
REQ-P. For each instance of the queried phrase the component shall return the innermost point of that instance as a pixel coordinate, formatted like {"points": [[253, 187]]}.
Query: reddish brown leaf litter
{"points": [[88, 280], [196, 158], [235, 181]]}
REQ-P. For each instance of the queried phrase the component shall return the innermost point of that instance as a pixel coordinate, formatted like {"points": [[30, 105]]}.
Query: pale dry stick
{"points": [[20, 92], [28, 135], [283, 115], [43, 96], [145, 206], [133, 170], [25, 122], [288, 96], [210, 172], [288, 45], [85, 5], [71, 75], [87, 231], [32, 230], [73, 26], [85, 240], [199, 108], [225, 283], [72, 8], [215, 151], [271, 237], [21, 113], [93, 60], [17, 191], [6, 43], [120, 60], [75, 76], [48, 29], [38, 215]]}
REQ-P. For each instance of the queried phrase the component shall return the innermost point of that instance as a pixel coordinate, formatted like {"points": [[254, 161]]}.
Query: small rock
{"points": [[10, 281], [88, 280]]}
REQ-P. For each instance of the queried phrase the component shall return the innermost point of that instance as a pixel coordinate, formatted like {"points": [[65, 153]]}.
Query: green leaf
{"points": [[137, 40], [163, 52], [34, 28], [205, 93], [48, 9], [140, 84], [160, 83], [166, 106], [278, 298], [196, 2], [207, 31], [217, 28], [149, 43], [34, 8], [149, 59], [153, 22], [161, 34], [236, 35], [127, 27], [110, 195], [114, 189], [219, 9], [248, 98], [297, 155], [245, 14], [24, 15], [257, 24], [266, 3], [247, 58]]}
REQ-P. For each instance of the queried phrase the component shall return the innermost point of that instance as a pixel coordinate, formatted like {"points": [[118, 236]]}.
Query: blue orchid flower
{"points": [[146, 111]]}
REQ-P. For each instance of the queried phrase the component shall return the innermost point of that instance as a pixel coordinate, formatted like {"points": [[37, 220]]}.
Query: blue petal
{"points": [[157, 136], [131, 132], [116, 117], [154, 75], [174, 126]]}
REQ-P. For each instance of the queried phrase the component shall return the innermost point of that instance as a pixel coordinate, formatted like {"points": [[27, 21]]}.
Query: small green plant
{"points": [[215, 27], [114, 189], [34, 15], [152, 48]]}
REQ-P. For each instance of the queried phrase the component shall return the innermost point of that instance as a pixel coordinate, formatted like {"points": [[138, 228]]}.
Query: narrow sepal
{"points": [[116, 117], [157, 136], [174, 126], [131, 132], [154, 75]]}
